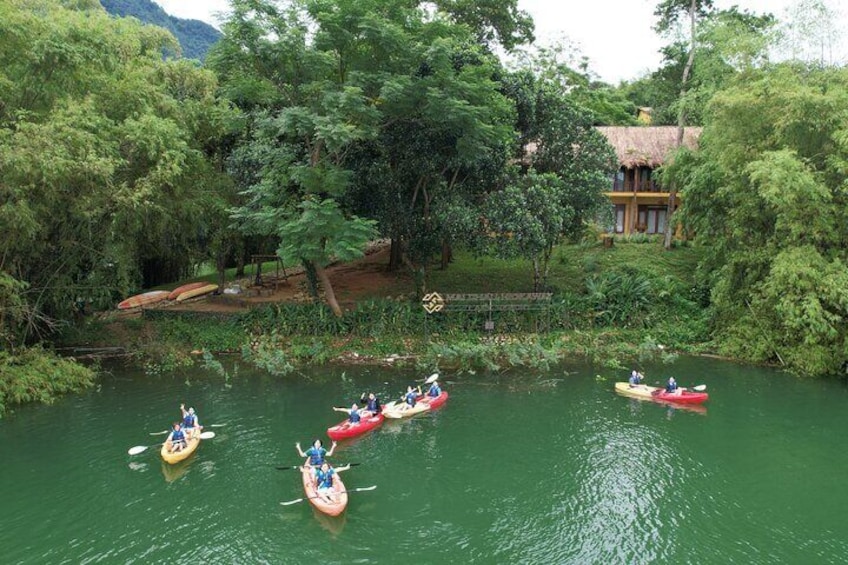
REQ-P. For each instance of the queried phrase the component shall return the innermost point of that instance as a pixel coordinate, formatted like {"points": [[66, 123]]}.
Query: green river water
{"points": [[515, 468]]}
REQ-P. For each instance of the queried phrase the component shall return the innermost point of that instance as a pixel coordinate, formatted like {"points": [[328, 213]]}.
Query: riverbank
{"points": [[632, 303]]}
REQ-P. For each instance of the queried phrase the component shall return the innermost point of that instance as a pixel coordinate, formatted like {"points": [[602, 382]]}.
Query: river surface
{"points": [[515, 468]]}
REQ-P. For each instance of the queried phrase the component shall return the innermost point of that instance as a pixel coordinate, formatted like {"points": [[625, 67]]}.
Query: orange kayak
{"points": [[144, 299], [331, 502], [185, 288], [195, 292]]}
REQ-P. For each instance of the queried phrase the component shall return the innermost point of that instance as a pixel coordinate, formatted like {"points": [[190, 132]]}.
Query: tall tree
{"points": [[105, 155], [765, 196], [347, 92], [669, 14]]}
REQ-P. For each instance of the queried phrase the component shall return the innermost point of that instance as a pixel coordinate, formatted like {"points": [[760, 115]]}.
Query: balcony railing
{"points": [[618, 185]]}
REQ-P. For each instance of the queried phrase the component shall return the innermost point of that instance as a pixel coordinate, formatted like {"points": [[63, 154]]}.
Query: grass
{"points": [[570, 265]]}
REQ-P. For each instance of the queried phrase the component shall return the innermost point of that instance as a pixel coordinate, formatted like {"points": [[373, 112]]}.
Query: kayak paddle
{"points": [[169, 431], [289, 467], [296, 500], [142, 448]]}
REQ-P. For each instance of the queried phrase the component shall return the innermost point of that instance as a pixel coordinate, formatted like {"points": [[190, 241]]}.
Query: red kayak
{"points": [[689, 397], [434, 402], [346, 430]]}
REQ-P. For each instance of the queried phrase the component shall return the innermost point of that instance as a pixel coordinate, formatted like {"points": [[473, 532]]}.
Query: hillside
{"points": [[195, 37]]}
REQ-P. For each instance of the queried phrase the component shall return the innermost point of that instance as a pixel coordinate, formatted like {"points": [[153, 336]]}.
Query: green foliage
{"points": [[766, 198], [106, 155], [620, 298], [36, 375]]}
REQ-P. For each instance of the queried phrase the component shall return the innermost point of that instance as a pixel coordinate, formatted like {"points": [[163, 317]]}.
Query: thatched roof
{"points": [[646, 146]]}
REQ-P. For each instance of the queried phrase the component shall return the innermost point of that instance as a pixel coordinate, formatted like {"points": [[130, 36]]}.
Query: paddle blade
{"points": [[207, 435], [137, 449], [432, 378], [700, 388], [158, 433], [295, 501], [361, 489], [217, 425]]}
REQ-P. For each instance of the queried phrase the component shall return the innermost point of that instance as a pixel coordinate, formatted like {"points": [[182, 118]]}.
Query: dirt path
{"points": [[365, 278]]}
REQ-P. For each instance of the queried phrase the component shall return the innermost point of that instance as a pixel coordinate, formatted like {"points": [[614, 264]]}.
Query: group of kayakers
{"points": [[184, 430], [369, 405], [671, 386]]}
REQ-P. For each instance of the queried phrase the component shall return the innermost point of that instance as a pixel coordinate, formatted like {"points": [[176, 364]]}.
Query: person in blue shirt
{"points": [[325, 480], [410, 398], [353, 413], [191, 424], [671, 387], [434, 390], [177, 439], [370, 403], [635, 378], [315, 455]]}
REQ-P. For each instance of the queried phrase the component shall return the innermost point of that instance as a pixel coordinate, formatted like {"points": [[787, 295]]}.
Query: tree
{"points": [[669, 13], [106, 159], [765, 196], [528, 220], [810, 32], [380, 107]]}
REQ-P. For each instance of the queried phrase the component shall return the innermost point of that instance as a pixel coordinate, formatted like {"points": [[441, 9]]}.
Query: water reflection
{"points": [[333, 524], [136, 466], [177, 471]]}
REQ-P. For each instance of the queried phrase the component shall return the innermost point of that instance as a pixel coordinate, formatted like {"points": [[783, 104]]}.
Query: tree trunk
{"points": [[536, 274], [311, 278], [395, 254], [681, 121], [328, 289], [447, 254]]}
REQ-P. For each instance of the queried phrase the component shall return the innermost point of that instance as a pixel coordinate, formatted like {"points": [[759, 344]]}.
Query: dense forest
{"points": [[195, 37], [317, 126]]}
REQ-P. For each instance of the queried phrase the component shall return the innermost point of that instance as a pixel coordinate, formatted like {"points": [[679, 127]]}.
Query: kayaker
{"points": [[434, 390], [324, 478], [370, 403], [177, 438], [671, 387], [636, 378], [315, 455], [410, 397], [191, 424], [352, 412]]}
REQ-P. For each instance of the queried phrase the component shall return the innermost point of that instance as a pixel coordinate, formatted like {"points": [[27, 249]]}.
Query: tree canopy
{"points": [[766, 196], [107, 160]]}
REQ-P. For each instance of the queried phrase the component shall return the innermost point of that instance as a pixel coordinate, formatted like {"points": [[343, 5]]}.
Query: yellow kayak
{"points": [[397, 410], [178, 456]]}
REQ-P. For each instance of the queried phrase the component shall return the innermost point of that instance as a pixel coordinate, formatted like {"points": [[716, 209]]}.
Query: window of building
{"points": [[619, 218], [651, 219]]}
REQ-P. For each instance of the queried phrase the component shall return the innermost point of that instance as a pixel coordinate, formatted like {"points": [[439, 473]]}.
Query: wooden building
{"points": [[640, 203]]}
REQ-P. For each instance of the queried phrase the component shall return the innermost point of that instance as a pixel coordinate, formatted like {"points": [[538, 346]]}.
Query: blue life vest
{"points": [[434, 390], [354, 417], [635, 380], [410, 398], [177, 436], [316, 456], [373, 405], [671, 387], [324, 480], [190, 420]]}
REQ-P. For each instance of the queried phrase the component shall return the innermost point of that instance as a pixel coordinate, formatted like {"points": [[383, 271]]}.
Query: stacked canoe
{"points": [[179, 294]]}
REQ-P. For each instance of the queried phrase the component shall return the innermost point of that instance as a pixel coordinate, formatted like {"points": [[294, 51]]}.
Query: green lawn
{"points": [[570, 266]]}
